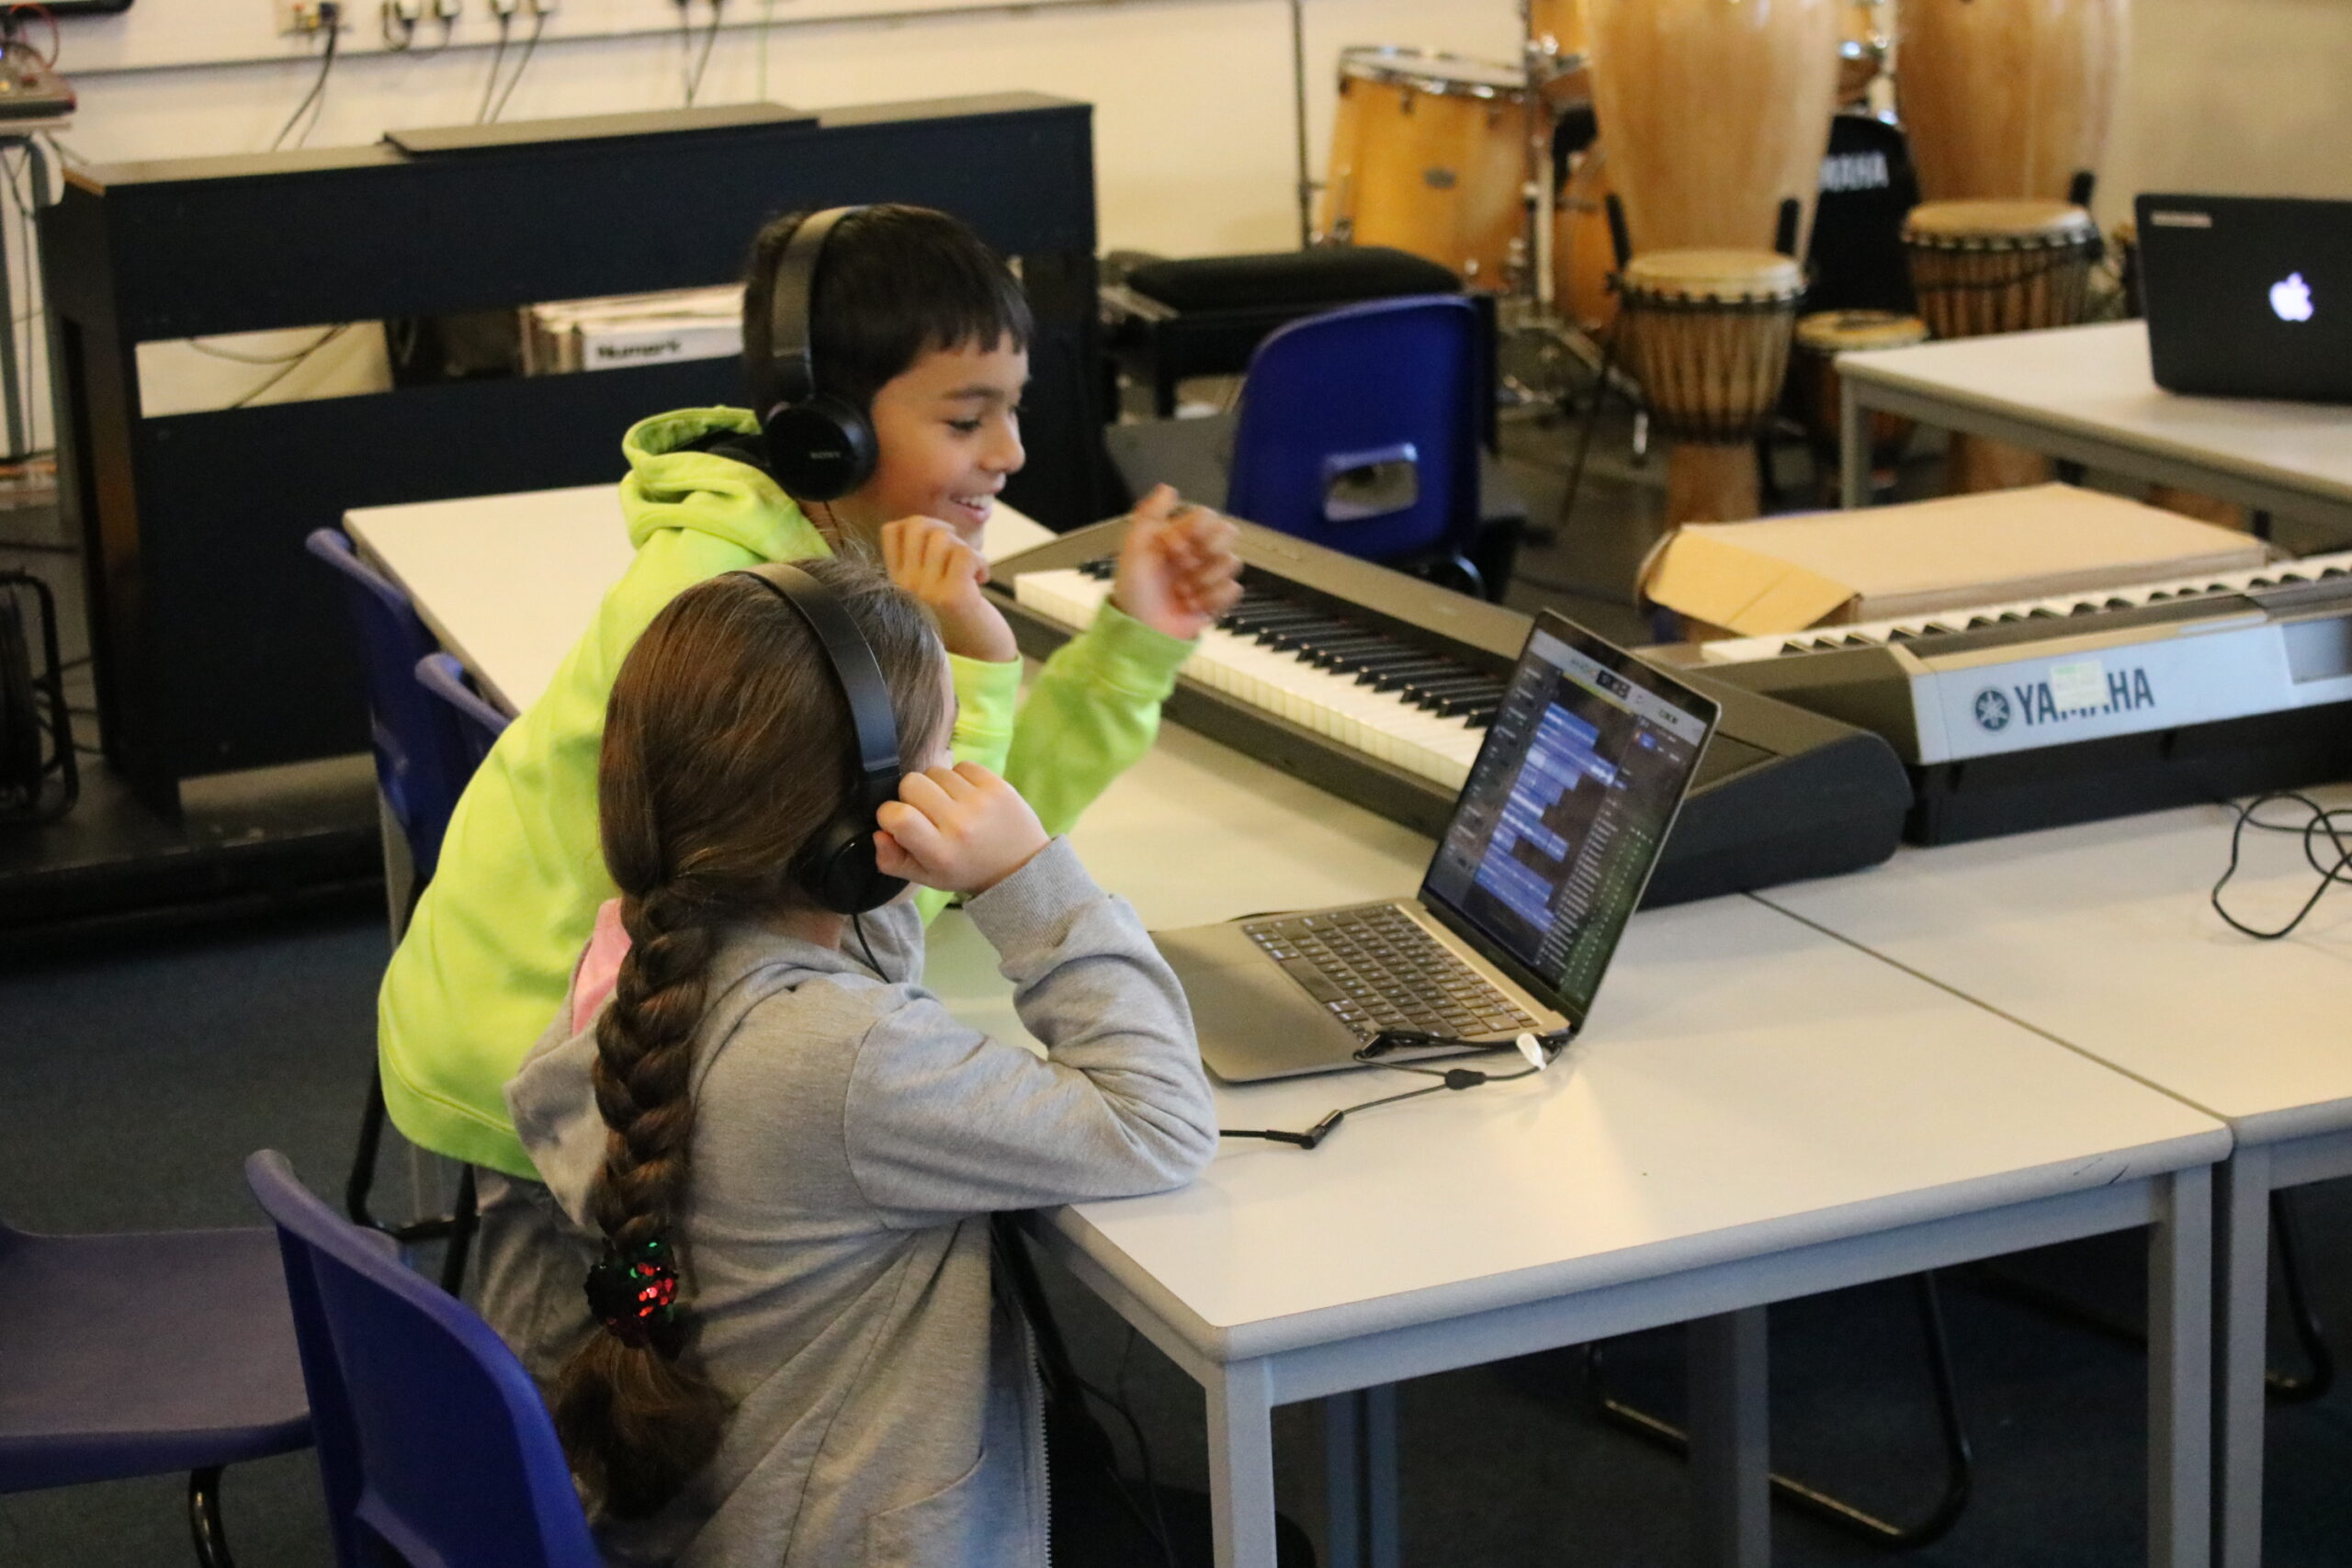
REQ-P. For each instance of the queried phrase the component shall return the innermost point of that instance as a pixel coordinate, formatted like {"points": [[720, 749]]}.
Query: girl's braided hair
{"points": [[714, 778]]}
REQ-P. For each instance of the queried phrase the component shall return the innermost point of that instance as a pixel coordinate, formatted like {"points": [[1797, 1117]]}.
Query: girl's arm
{"points": [[942, 1121]]}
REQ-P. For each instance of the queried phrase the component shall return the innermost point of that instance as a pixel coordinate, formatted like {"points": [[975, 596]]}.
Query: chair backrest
{"points": [[1359, 429], [479, 724], [420, 765], [433, 1441]]}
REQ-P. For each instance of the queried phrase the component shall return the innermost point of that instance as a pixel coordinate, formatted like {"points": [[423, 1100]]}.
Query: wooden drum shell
{"points": [[2008, 97], [1429, 155], [1714, 111]]}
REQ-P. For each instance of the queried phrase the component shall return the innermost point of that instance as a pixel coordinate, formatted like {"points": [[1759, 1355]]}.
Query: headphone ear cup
{"points": [[820, 449], [842, 875]]}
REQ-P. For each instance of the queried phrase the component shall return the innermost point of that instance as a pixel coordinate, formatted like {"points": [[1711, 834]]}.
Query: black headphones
{"points": [[837, 869], [820, 447]]}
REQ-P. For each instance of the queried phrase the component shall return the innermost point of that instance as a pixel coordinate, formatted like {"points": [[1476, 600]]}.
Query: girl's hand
{"points": [[1178, 571], [960, 830], [927, 559]]}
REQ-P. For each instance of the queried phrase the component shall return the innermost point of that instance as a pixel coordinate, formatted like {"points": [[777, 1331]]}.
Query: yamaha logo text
{"points": [[2070, 692]]}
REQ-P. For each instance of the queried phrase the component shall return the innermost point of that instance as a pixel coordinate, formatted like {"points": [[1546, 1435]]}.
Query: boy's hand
{"points": [[927, 559], [1178, 571], [960, 830]]}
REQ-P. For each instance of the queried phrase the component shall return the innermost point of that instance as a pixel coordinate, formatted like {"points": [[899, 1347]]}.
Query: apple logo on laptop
{"points": [[2291, 299]]}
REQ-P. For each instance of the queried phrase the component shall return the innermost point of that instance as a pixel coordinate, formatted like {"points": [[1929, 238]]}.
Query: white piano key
{"points": [[1381, 724]]}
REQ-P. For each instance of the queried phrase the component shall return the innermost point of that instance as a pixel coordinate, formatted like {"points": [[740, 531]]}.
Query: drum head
{"points": [[2042, 222], [1831, 331], [1429, 72], [1698, 274]]}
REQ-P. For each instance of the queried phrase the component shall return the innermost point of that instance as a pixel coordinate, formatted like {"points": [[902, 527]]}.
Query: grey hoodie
{"points": [[850, 1139]]}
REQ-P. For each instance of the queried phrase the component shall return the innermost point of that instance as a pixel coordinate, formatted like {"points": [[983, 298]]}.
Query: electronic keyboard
{"points": [[2039, 712], [1378, 687]]}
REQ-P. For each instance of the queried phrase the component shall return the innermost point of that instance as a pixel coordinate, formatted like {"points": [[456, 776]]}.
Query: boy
{"points": [[915, 321]]}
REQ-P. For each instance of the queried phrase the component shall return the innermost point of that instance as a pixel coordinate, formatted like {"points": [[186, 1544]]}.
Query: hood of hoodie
{"points": [[552, 1096], [670, 486]]}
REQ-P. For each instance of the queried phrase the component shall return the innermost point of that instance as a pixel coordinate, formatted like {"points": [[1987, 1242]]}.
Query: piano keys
{"points": [[1378, 687]]}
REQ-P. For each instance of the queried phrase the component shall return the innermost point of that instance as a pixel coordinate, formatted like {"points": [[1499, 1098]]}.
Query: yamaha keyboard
{"points": [[1377, 687], [2041, 712]]}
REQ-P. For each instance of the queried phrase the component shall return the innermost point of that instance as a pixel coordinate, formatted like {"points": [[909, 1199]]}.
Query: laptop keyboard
{"points": [[1375, 968]]}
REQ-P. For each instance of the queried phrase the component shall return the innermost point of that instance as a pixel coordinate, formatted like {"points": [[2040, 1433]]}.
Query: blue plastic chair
{"points": [[420, 764], [1389, 390], [479, 724], [141, 1354], [433, 1442]]}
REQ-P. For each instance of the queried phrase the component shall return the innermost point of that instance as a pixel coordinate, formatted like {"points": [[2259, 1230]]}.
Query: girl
{"points": [[770, 1155]]}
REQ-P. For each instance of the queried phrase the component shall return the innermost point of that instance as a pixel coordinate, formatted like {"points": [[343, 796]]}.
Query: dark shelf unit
{"points": [[218, 645]]}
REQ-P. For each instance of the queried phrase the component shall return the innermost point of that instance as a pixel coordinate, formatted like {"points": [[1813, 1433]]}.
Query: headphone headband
{"points": [[843, 875], [790, 358]]}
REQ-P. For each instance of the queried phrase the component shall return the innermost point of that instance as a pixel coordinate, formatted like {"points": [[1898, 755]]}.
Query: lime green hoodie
{"points": [[490, 949]]}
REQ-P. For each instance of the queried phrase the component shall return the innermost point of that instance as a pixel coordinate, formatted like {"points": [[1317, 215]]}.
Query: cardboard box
{"points": [[1783, 574]]}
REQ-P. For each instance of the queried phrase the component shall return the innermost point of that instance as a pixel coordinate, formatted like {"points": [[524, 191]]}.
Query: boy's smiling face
{"points": [[947, 433]]}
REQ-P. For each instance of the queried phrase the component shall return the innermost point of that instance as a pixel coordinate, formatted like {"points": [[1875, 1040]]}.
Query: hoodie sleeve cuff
{"points": [[987, 695], [1033, 908], [1122, 653]]}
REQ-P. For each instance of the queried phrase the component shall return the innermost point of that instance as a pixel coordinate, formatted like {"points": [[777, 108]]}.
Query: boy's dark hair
{"points": [[895, 283], [713, 777]]}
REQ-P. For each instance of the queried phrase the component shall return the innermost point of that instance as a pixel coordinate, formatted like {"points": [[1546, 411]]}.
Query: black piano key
{"points": [[2042, 613], [2120, 603], [1899, 635], [1411, 675]]}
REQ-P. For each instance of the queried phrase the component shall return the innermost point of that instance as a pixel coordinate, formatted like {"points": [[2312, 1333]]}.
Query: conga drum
{"points": [[1429, 154], [1817, 392], [2008, 97], [1708, 334], [1998, 266], [1714, 112]]}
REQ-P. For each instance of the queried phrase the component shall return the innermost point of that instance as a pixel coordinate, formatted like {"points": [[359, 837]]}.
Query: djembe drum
{"points": [[2008, 97], [1819, 393], [1429, 154], [1709, 338], [1998, 266], [1714, 112]]}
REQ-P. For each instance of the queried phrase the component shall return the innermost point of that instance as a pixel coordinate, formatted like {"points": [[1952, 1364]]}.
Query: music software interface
{"points": [[1562, 818]]}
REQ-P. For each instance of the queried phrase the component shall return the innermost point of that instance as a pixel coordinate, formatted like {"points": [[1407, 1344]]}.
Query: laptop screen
{"points": [[1567, 810]]}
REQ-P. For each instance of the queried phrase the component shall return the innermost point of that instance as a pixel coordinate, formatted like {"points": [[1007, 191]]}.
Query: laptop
{"points": [[1552, 841], [2248, 296]]}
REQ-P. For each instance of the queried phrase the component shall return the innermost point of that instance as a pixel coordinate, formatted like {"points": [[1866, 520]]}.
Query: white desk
{"points": [[548, 557], [1760, 1112], [2102, 936], [2085, 394]]}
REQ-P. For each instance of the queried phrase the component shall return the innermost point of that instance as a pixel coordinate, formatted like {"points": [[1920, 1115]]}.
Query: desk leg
{"points": [[1853, 450], [1342, 1470], [1241, 1465], [1730, 1441], [2241, 1317], [1359, 1478], [1380, 1475], [2181, 1369]]}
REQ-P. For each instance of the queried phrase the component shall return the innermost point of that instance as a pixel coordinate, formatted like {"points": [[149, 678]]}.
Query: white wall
{"points": [[1193, 130]]}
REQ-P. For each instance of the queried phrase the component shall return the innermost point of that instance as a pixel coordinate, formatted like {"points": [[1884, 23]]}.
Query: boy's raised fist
{"points": [[1178, 571]]}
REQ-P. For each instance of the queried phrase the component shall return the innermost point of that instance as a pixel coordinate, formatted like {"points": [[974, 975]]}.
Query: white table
{"points": [[548, 557], [2102, 936], [1760, 1112], [2085, 394]]}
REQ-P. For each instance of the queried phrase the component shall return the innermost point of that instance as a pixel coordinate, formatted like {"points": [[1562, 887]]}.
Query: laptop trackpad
{"points": [[1254, 1021]]}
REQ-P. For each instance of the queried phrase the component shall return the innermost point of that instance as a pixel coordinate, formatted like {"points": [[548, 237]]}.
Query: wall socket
{"points": [[307, 16]]}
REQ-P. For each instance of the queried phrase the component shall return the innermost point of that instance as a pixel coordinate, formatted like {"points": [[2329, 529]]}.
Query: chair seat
{"points": [[1303, 280], [143, 1354]]}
